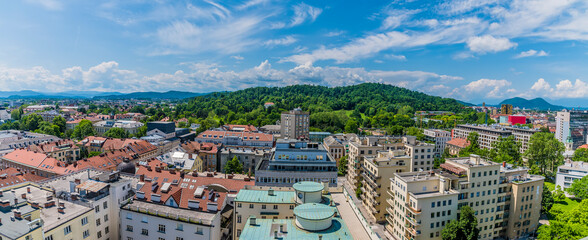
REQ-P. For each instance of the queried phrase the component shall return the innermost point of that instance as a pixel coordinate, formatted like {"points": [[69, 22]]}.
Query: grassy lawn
{"points": [[563, 206], [550, 186]]}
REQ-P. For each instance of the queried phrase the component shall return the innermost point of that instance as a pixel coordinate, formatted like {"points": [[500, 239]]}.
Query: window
{"points": [[97, 208], [86, 233], [129, 216], [432, 215], [449, 203], [160, 238], [98, 222], [106, 231], [250, 205], [239, 205], [432, 225], [144, 219], [238, 218], [105, 205], [129, 228], [106, 218], [180, 227], [433, 204], [291, 207], [67, 230], [129, 238], [84, 221], [144, 232], [448, 212], [444, 203], [263, 206], [49, 238], [161, 228], [99, 234], [275, 206], [179, 238], [199, 230]]}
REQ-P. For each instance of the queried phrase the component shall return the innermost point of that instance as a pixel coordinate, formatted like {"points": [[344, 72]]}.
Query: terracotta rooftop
{"points": [[459, 142], [53, 146], [196, 147], [12, 176], [245, 136], [39, 161], [169, 184]]}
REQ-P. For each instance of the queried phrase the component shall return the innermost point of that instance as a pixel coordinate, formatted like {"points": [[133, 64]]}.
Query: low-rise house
{"points": [[456, 145]]}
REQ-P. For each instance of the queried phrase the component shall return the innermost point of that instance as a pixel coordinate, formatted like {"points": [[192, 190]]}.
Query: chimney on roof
{"points": [[35, 205], [172, 171], [142, 178], [504, 164], [157, 169], [17, 214], [28, 189], [15, 201], [77, 181], [24, 196], [61, 209]]}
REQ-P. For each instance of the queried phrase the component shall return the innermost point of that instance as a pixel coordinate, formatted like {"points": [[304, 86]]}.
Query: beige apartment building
{"points": [[506, 200], [368, 147], [377, 171], [488, 135]]}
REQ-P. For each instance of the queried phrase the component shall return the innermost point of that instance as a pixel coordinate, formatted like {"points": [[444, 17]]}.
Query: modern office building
{"points": [[570, 172], [294, 161], [505, 200], [440, 137], [295, 124], [506, 109], [572, 125], [488, 135]]}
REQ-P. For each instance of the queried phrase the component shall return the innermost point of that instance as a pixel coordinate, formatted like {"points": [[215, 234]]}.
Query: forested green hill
{"points": [[332, 109]]}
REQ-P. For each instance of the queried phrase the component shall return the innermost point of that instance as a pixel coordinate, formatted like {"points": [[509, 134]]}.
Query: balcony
{"points": [[413, 232], [390, 211], [413, 221], [390, 201], [412, 210], [389, 229]]}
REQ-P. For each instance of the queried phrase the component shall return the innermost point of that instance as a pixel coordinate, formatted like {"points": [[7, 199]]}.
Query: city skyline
{"points": [[469, 50]]}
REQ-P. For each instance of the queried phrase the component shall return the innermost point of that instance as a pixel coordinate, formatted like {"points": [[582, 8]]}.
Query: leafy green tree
{"points": [[395, 130], [93, 154], [342, 166], [466, 228], [30, 122], [60, 122], [473, 139], [141, 131], [546, 200], [544, 151], [83, 129], [506, 150], [580, 188], [417, 132], [581, 154], [234, 166], [17, 113], [116, 132], [351, 126], [572, 224], [48, 128], [437, 162], [558, 194]]}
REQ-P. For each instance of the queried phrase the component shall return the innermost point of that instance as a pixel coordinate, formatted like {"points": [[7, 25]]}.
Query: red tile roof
{"points": [[247, 128], [583, 146], [53, 146], [196, 147], [184, 190], [245, 136], [459, 142], [12, 176], [40, 161]]}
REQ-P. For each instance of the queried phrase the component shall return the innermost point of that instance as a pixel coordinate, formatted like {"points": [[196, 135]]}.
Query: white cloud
{"points": [[453, 7], [207, 77], [237, 57], [334, 33], [302, 13], [489, 43], [532, 53], [280, 41], [489, 88], [563, 89]]}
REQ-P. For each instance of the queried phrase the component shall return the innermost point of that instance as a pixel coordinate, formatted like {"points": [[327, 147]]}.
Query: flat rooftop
{"points": [[265, 228], [15, 228], [263, 196], [164, 211]]}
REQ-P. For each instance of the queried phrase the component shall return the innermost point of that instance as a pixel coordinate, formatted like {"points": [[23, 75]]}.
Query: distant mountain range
{"points": [[536, 103], [98, 95]]}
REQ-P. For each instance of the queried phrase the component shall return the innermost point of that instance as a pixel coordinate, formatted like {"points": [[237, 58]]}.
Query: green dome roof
{"points": [[314, 211], [308, 187]]}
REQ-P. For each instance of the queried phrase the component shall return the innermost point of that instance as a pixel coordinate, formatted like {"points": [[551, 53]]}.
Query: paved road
{"points": [[377, 228], [348, 215]]}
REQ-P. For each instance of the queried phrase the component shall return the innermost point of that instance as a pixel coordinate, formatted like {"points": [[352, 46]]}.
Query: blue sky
{"points": [[472, 50]]}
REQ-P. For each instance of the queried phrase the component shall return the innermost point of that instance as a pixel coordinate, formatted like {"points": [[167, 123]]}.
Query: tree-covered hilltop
{"points": [[334, 109]]}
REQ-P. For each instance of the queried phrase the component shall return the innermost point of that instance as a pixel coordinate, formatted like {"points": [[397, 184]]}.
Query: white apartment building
{"points": [[440, 137], [562, 126], [506, 200], [570, 172], [488, 135]]}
